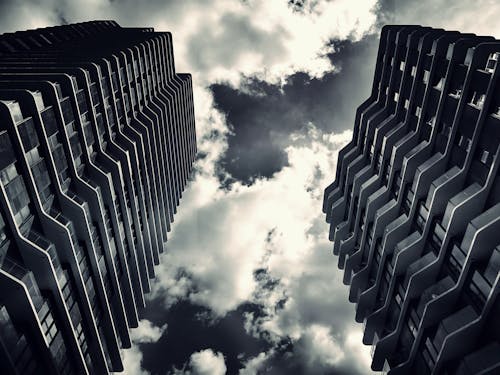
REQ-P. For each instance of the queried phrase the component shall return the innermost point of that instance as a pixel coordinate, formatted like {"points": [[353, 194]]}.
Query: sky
{"points": [[248, 283]]}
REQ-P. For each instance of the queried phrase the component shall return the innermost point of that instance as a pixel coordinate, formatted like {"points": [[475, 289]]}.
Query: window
{"points": [[426, 76], [122, 76], [38, 100], [468, 144], [82, 103], [114, 81], [28, 134], [491, 271], [49, 121], [75, 82], [15, 111], [477, 99], [67, 111], [484, 157], [94, 94], [58, 89], [439, 85], [492, 61]]}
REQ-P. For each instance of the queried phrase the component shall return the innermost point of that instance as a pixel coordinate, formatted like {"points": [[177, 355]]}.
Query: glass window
{"points": [[49, 120], [15, 111], [484, 157], [67, 111], [33, 156], [82, 102], [28, 134], [38, 100], [8, 174]]}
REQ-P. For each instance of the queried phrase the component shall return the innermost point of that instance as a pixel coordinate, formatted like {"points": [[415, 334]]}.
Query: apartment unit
{"points": [[414, 210], [97, 142]]}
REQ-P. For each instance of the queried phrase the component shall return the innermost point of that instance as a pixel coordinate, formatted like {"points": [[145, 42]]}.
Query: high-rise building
{"points": [[414, 210], [97, 141]]}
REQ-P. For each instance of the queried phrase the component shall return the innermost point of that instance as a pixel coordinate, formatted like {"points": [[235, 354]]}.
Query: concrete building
{"points": [[97, 141], [414, 209]]}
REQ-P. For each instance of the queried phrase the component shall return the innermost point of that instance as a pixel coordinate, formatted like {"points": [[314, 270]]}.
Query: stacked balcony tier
{"points": [[97, 143], [414, 210]]}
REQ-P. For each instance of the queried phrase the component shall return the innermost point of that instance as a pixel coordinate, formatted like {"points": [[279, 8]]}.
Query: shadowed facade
{"points": [[414, 210], [97, 141]]}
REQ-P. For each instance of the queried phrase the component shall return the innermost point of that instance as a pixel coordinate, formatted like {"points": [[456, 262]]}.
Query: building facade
{"points": [[97, 141], [414, 210]]}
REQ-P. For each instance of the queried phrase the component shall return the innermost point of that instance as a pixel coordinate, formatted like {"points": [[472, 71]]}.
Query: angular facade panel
{"points": [[414, 210], [97, 142]]}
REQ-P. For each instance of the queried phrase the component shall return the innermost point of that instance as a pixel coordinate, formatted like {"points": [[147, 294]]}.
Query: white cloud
{"points": [[146, 332], [318, 345], [479, 17], [207, 362], [266, 38], [221, 237], [253, 365], [132, 359], [222, 39]]}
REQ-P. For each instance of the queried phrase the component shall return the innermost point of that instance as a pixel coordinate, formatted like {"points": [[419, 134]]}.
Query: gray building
{"points": [[414, 209], [97, 141]]}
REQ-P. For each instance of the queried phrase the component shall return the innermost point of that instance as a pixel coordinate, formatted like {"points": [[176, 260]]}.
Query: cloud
{"points": [[480, 17], [318, 345], [132, 359], [191, 328], [206, 362], [222, 39], [276, 84], [266, 244], [224, 234], [146, 332], [255, 364], [262, 115]]}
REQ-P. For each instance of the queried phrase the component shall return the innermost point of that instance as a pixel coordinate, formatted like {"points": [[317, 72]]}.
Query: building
{"points": [[97, 141], [414, 210]]}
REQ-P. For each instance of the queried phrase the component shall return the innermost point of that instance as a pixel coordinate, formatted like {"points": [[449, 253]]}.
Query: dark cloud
{"points": [[189, 331], [264, 115]]}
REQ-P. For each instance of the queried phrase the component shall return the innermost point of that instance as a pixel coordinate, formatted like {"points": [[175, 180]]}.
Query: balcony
{"points": [[453, 323], [481, 361], [49, 248], [12, 267], [418, 265], [433, 292]]}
